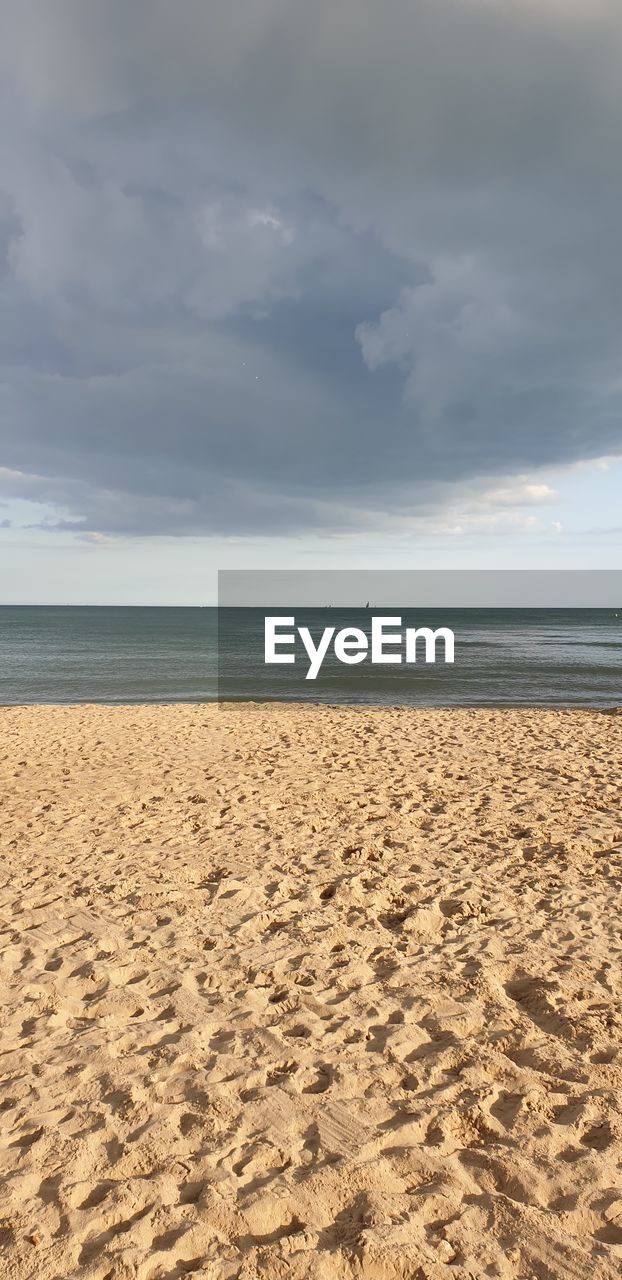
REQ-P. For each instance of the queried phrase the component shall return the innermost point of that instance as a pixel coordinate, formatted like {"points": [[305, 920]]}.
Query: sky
{"points": [[313, 284]]}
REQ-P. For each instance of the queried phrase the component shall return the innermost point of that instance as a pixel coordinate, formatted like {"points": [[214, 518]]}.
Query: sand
{"points": [[322, 993]]}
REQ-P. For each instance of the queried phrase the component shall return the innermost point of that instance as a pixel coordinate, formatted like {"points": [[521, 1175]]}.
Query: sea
{"points": [[111, 655]]}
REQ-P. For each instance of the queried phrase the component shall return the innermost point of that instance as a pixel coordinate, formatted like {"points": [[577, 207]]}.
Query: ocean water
{"points": [[503, 657]]}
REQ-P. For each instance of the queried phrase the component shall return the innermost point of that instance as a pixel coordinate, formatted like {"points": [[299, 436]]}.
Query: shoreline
{"points": [[310, 703]]}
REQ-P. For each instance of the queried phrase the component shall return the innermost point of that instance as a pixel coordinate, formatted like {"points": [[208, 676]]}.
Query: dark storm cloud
{"points": [[276, 266]]}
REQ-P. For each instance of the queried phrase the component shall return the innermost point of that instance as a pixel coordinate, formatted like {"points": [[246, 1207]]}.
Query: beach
{"points": [[307, 991]]}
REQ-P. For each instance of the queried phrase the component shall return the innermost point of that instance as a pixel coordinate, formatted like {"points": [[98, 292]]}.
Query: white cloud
{"points": [[521, 493]]}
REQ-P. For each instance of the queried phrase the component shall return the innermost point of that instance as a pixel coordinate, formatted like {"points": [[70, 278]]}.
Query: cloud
{"points": [[521, 492], [277, 267]]}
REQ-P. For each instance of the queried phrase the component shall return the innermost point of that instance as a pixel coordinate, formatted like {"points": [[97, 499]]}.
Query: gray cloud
{"points": [[277, 266]]}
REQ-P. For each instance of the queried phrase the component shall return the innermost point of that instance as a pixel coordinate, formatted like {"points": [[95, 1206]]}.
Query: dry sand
{"points": [[313, 992]]}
